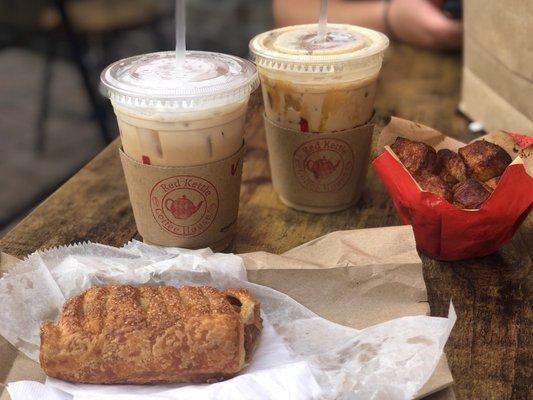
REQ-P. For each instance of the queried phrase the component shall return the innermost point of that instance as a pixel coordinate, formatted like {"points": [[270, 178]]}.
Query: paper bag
{"points": [[191, 207], [318, 172], [443, 231], [497, 85], [358, 278]]}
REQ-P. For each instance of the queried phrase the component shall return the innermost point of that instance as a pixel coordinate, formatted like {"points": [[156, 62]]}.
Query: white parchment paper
{"points": [[300, 355]]}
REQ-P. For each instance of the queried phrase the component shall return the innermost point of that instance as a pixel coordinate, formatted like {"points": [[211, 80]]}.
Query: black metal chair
{"points": [[76, 23]]}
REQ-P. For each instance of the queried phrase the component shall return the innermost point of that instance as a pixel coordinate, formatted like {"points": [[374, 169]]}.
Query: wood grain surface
{"points": [[491, 348]]}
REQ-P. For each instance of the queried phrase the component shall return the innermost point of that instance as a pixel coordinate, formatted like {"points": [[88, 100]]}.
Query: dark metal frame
{"points": [[75, 44], [100, 110]]}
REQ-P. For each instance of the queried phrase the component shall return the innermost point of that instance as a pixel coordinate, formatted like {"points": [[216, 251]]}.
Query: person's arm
{"points": [[420, 22], [365, 13]]}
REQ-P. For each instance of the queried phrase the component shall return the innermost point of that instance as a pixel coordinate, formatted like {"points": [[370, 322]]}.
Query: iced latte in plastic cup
{"points": [[181, 126], [319, 87]]}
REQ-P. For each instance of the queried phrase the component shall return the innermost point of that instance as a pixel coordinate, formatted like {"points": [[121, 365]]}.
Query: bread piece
{"points": [[484, 159], [148, 334], [435, 184], [448, 178], [469, 194], [453, 167], [416, 156], [491, 184]]}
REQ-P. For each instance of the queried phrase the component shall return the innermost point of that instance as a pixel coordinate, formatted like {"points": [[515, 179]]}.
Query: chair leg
{"points": [[75, 46], [45, 97]]}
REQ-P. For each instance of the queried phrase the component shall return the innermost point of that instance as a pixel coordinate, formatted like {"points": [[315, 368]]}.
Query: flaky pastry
{"points": [[149, 334]]}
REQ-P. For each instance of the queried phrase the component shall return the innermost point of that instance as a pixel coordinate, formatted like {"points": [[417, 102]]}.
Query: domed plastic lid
{"points": [[157, 81], [297, 49]]}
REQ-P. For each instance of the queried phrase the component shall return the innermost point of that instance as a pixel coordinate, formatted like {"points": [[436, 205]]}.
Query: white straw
{"points": [[180, 31], [322, 21]]}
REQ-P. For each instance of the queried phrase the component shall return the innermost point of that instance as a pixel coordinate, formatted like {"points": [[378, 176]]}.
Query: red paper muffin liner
{"points": [[447, 233]]}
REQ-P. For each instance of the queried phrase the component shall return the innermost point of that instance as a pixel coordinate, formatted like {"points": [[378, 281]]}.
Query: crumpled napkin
{"points": [[300, 355]]}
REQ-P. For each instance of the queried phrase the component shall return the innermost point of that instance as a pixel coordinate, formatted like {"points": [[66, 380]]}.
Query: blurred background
{"points": [[53, 120]]}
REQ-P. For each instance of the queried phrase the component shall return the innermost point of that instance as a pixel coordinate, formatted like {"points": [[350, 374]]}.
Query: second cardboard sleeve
{"points": [[318, 172]]}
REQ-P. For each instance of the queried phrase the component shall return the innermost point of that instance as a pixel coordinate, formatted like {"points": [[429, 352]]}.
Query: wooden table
{"points": [[491, 348]]}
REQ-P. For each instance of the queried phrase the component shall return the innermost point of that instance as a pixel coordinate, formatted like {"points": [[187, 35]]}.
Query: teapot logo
{"points": [[184, 205], [323, 165], [182, 208], [321, 168]]}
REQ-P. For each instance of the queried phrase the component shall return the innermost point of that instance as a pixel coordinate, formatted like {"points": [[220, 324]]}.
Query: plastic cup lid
{"points": [[157, 81], [296, 48]]}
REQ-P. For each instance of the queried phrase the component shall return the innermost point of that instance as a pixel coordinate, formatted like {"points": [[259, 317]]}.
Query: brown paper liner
{"points": [[189, 207], [331, 276], [318, 172]]}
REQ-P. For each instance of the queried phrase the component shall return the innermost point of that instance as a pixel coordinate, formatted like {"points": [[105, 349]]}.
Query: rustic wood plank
{"points": [[490, 351], [91, 206]]}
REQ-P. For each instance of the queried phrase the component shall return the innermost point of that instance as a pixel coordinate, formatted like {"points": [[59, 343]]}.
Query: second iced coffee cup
{"points": [[319, 100], [182, 131]]}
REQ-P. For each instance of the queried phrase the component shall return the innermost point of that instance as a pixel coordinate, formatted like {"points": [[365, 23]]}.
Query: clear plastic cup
{"points": [[325, 88], [182, 131], [178, 116], [314, 86]]}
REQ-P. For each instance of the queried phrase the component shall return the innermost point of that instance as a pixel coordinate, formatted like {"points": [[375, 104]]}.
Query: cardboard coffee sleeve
{"points": [[318, 172], [191, 207]]}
